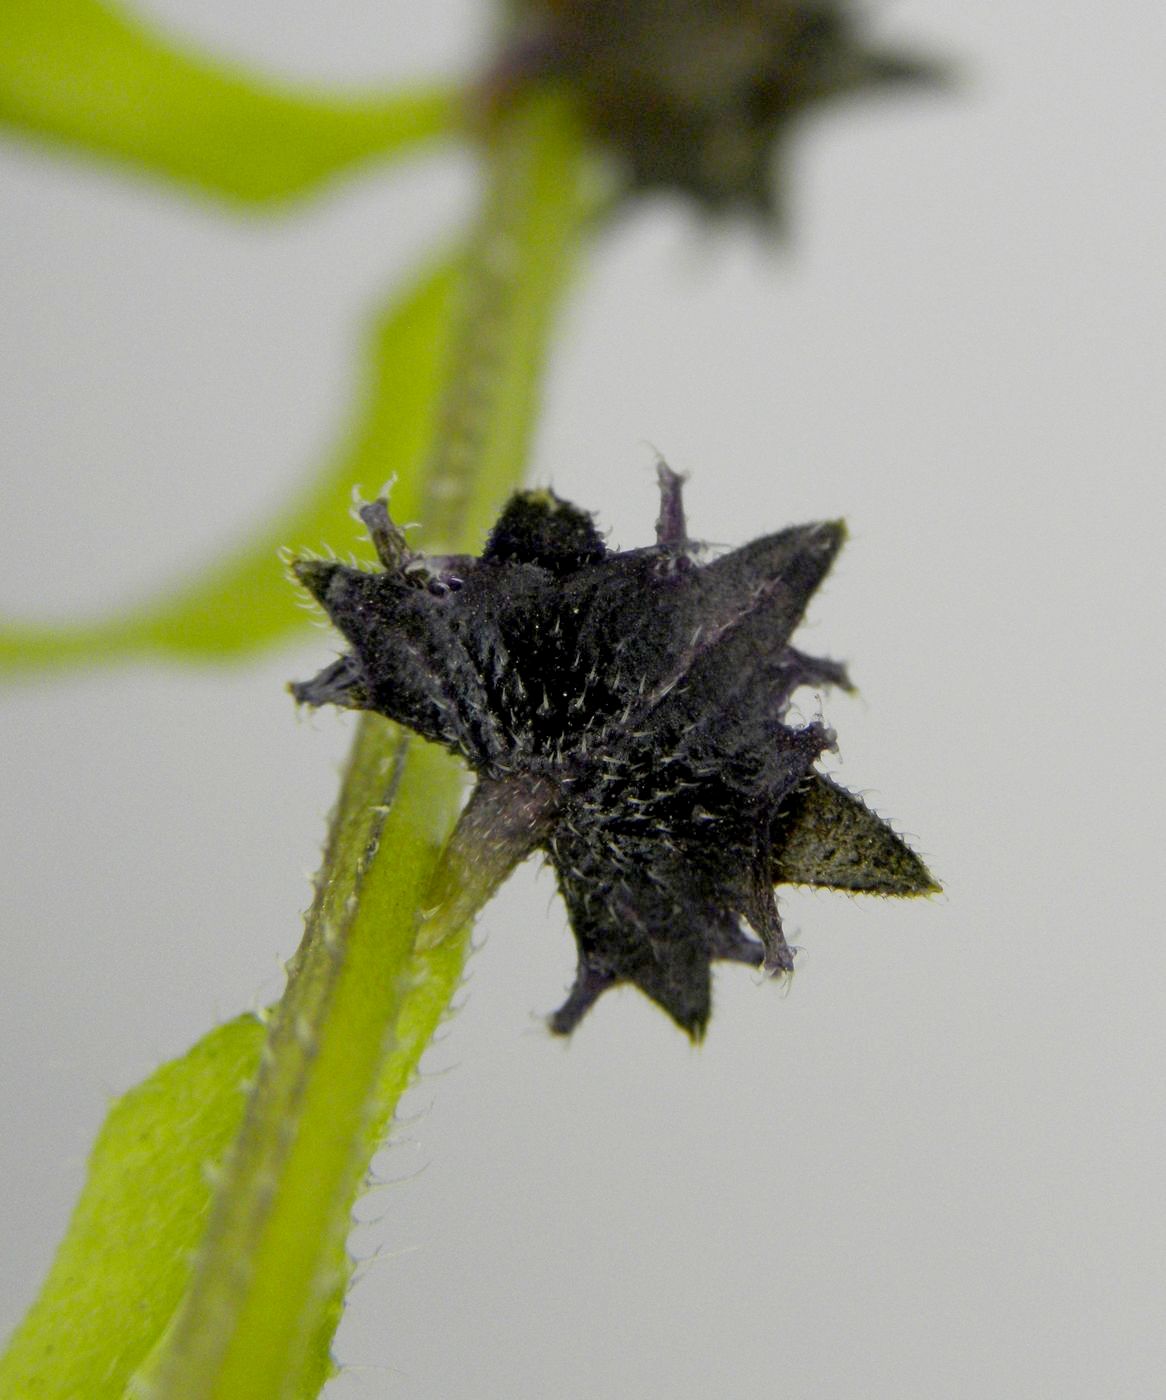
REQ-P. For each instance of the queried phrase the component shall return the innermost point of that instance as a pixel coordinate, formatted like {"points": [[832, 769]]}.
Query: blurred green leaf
{"points": [[86, 74], [246, 600], [124, 1264]]}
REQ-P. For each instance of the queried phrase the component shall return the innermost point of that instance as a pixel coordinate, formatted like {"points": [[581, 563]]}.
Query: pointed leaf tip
{"points": [[315, 575], [342, 683], [831, 838]]}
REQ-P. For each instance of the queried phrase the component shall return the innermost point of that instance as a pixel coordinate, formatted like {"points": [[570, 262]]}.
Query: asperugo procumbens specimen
{"points": [[626, 713], [701, 95]]}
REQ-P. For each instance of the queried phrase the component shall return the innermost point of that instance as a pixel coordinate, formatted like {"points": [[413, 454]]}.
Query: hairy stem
{"points": [[362, 1000]]}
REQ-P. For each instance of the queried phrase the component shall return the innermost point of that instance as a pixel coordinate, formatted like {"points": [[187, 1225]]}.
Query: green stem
{"points": [[362, 1001]]}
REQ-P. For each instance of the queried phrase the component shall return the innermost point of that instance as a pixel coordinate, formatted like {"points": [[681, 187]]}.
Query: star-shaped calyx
{"points": [[626, 713], [699, 95]]}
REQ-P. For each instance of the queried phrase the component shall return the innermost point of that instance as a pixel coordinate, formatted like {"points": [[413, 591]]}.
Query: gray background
{"points": [[928, 1169]]}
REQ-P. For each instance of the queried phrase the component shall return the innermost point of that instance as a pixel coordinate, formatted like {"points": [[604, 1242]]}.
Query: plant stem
{"points": [[362, 1001]]}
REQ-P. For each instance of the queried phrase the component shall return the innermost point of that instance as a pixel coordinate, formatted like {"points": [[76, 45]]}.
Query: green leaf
{"points": [[87, 75], [246, 600], [125, 1262]]}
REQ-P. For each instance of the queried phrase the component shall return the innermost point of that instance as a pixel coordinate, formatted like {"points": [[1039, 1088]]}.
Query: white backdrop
{"points": [[926, 1171]]}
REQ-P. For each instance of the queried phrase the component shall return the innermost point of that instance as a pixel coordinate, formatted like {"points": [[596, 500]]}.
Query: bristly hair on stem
{"points": [[363, 999]]}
